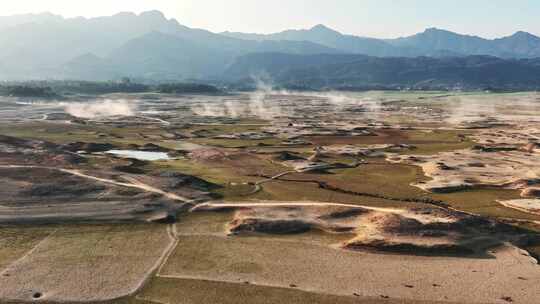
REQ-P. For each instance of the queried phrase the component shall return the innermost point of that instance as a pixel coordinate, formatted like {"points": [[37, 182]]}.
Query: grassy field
{"points": [[220, 129], [214, 173], [92, 262], [295, 265], [17, 241], [426, 142], [186, 291], [64, 134], [380, 177], [203, 223], [235, 143], [296, 191]]}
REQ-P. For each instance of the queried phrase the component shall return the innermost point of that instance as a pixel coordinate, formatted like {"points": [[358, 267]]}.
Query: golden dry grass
{"points": [[85, 263]]}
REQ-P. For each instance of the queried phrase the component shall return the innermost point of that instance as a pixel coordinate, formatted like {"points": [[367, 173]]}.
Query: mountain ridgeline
{"points": [[432, 42], [360, 72], [150, 47]]}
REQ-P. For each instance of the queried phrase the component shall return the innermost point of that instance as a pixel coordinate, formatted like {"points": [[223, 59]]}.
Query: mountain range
{"points": [[146, 45], [149, 46], [432, 42], [361, 72]]}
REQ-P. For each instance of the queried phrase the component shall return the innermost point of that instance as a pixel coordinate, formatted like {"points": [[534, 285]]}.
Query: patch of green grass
{"points": [[58, 133], [231, 172], [484, 202], [379, 177], [235, 143], [67, 133], [214, 130], [426, 142], [430, 149], [236, 192], [435, 141], [214, 173], [203, 222], [296, 191]]}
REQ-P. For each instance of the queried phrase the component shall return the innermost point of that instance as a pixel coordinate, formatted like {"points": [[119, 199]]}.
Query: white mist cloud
{"points": [[105, 108], [257, 105], [464, 109], [267, 103]]}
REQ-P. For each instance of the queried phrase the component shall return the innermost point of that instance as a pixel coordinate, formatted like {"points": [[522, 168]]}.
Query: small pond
{"points": [[141, 155]]}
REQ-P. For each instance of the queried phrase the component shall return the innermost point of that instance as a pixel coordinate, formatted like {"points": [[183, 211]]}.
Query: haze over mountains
{"points": [[150, 46], [146, 45], [431, 42]]}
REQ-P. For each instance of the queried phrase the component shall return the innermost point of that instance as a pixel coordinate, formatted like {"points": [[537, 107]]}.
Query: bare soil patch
{"points": [[85, 264]]}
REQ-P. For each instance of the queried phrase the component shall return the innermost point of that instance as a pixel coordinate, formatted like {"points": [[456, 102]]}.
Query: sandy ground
{"points": [[451, 171], [524, 205], [308, 267], [93, 263]]}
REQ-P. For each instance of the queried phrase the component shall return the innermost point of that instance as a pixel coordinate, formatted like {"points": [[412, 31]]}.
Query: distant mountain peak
{"points": [[154, 14], [435, 30], [320, 27], [125, 14], [523, 34], [323, 29]]}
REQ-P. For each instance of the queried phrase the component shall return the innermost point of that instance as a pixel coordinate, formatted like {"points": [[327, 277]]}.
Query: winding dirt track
{"points": [[133, 183], [274, 177], [159, 264], [161, 121]]}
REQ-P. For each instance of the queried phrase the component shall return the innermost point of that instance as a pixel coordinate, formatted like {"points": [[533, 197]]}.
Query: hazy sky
{"points": [[377, 18]]}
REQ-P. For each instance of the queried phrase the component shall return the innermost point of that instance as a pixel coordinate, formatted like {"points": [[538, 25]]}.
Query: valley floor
{"points": [[274, 197]]}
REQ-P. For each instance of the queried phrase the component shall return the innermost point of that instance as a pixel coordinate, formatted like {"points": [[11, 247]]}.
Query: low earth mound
{"points": [[20, 143], [203, 155], [286, 155], [404, 248], [503, 158], [531, 192], [464, 169], [418, 231], [369, 151], [14, 151], [525, 205], [279, 226], [88, 147], [49, 195], [178, 180]]}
